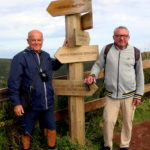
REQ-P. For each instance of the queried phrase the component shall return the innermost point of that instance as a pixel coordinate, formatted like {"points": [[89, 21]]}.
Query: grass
{"points": [[142, 113], [10, 138]]}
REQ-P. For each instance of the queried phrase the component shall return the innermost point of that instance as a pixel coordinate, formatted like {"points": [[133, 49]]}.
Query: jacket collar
{"points": [[30, 50]]}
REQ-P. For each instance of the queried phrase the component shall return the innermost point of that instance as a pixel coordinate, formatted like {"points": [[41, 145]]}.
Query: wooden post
{"points": [[76, 103], [72, 8]]}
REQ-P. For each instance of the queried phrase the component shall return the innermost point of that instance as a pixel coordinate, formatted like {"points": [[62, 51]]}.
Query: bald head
{"points": [[34, 32], [35, 40]]}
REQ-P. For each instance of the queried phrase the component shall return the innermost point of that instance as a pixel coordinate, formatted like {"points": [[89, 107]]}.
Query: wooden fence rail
{"points": [[92, 105]]}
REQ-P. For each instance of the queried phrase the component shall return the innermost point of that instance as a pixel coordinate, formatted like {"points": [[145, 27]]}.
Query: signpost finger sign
{"points": [[68, 7], [77, 54]]}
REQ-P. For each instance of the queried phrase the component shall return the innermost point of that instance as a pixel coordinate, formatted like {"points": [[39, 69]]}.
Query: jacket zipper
{"points": [[44, 84], [118, 75]]}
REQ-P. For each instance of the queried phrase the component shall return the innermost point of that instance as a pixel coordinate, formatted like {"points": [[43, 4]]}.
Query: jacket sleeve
{"points": [[139, 79], [56, 64], [14, 80], [99, 64]]}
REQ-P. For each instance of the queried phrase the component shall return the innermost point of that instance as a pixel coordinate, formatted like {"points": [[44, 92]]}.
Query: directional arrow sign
{"points": [[87, 21], [81, 37], [73, 88], [67, 7], [77, 54]]}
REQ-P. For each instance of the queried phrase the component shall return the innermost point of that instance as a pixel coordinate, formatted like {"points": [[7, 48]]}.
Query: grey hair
{"points": [[121, 27]]}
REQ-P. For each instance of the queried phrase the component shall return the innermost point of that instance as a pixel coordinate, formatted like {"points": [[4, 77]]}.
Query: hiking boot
{"points": [[106, 148], [124, 148]]}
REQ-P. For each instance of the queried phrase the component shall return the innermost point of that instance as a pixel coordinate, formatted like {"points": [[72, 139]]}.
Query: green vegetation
{"points": [[4, 71], [9, 129]]}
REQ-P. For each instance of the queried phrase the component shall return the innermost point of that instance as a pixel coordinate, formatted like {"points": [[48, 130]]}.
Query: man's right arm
{"points": [[14, 83], [18, 110]]}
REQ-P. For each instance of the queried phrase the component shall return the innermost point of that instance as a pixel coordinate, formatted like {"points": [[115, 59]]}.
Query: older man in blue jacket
{"points": [[31, 91]]}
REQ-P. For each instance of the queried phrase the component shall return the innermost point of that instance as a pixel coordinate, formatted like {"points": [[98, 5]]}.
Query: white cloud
{"points": [[18, 17]]}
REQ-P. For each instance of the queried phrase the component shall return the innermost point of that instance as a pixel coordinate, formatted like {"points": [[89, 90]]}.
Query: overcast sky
{"points": [[17, 17]]}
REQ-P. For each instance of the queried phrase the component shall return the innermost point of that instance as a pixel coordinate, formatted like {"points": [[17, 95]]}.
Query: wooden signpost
{"points": [[77, 52]]}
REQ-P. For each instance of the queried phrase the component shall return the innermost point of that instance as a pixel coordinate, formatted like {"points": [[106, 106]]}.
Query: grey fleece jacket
{"points": [[122, 79]]}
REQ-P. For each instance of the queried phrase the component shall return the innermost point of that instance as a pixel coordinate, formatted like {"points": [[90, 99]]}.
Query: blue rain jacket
{"points": [[24, 74]]}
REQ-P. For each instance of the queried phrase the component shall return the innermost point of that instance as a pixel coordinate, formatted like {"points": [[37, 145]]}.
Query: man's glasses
{"points": [[121, 35]]}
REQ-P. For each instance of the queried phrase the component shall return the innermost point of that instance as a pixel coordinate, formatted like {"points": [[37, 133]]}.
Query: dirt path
{"points": [[140, 136]]}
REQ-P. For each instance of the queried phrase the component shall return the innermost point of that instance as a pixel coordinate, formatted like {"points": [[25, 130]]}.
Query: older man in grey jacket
{"points": [[124, 82]]}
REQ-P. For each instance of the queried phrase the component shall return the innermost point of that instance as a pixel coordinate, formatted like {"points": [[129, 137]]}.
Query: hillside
{"points": [[5, 67]]}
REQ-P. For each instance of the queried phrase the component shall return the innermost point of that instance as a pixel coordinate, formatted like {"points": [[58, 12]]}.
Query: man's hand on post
{"points": [[19, 111], [66, 43], [90, 79]]}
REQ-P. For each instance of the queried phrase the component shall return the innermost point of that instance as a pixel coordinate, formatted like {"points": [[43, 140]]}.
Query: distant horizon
{"points": [[54, 57]]}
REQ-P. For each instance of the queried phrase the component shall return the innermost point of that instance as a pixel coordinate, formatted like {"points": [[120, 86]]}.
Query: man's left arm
{"points": [[139, 82], [56, 64]]}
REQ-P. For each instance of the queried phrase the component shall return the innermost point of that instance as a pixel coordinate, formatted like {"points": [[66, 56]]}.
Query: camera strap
{"points": [[38, 62], [38, 59]]}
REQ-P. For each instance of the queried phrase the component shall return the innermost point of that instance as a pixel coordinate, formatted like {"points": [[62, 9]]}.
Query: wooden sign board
{"points": [[147, 88], [68, 7], [73, 88], [146, 64], [87, 21], [81, 37], [77, 54]]}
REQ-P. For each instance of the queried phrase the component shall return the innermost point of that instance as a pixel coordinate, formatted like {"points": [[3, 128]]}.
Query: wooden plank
{"points": [[89, 106], [81, 38], [4, 91], [147, 88], [73, 87], [61, 114], [87, 21], [94, 104], [68, 7], [61, 77], [4, 94], [77, 54], [4, 99], [146, 64]]}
